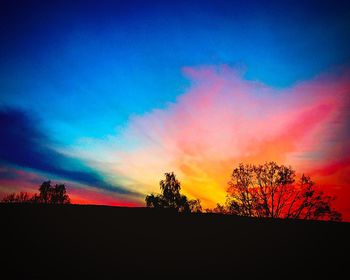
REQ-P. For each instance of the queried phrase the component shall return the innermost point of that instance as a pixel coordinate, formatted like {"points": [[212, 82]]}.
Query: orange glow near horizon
{"points": [[222, 120]]}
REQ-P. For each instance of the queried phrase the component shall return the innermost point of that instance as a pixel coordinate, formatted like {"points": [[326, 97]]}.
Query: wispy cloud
{"points": [[223, 119], [14, 179], [23, 143]]}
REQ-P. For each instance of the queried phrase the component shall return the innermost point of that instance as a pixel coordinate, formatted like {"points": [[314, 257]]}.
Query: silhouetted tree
{"points": [[21, 197], [218, 209], [47, 194], [53, 194], [195, 205], [35, 198], [270, 190], [171, 197], [155, 201], [59, 195], [170, 188], [308, 203]]}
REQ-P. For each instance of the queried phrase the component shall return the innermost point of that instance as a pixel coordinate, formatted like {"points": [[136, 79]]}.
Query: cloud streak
{"points": [[23, 143], [16, 180], [223, 119]]}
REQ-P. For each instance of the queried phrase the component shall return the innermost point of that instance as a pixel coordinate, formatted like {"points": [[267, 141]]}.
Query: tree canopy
{"points": [[170, 197], [271, 190], [48, 194]]}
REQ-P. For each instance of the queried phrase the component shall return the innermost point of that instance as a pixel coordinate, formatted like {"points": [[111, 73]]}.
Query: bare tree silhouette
{"points": [[21, 197], [270, 190], [171, 197]]}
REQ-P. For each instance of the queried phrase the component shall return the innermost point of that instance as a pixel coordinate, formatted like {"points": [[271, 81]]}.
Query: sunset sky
{"points": [[106, 96]]}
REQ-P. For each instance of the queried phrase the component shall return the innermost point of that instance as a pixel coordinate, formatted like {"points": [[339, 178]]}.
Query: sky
{"points": [[107, 96]]}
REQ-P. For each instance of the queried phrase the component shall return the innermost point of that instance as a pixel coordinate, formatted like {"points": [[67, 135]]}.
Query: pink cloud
{"points": [[223, 119]]}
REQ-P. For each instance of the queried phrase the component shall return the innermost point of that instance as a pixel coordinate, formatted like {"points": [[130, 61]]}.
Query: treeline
{"points": [[48, 194], [266, 191]]}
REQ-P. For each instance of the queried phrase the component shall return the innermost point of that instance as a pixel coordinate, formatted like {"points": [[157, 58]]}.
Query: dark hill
{"points": [[47, 241]]}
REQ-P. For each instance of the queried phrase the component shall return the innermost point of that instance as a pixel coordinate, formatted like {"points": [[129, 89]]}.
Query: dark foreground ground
{"points": [[43, 241]]}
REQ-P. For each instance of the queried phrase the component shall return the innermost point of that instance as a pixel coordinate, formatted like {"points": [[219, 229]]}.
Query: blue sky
{"points": [[83, 68], [103, 62]]}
